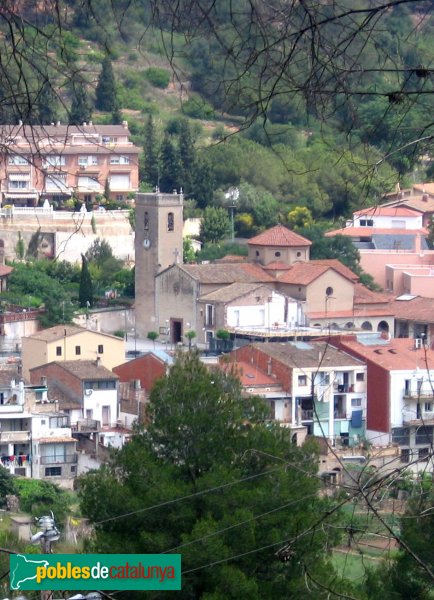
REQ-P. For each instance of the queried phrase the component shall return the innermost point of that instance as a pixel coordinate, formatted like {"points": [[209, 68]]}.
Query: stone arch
{"points": [[383, 326], [367, 326]]}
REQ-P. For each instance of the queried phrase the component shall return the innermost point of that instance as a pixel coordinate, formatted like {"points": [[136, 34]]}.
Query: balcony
{"points": [[344, 388], [412, 417], [417, 395], [11, 408], [59, 460], [86, 426], [15, 437]]}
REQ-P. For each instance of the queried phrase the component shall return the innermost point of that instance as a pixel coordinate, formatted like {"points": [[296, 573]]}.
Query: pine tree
{"points": [[187, 156], [81, 111], [169, 166], [85, 291], [150, 170], [47, 105], [203, 182], [106, 99]]}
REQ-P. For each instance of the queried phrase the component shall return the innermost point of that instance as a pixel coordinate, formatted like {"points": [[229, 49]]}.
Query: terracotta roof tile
{"points": [[415, 202], [363, 295], [225, 273], [82, 369], [416, 309], [60, 331], [279, 236], [306, 355], [233, 291], [305, 273], [386, 211], [427, 188], [249, 375], [277, 265], [396, 354]]}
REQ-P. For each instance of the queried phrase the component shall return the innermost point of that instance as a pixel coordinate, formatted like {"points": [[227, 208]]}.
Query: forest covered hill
{"points": [[324, 115]]}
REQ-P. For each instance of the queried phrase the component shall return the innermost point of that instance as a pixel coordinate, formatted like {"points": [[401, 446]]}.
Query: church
{"points": [[276, 287]]}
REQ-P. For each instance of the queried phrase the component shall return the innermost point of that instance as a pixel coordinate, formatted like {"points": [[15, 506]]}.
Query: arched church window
{"points": [[146, 221], [170, 222]]}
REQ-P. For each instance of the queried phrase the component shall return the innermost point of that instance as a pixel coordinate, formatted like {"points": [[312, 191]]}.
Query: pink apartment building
{"points": [[54, 162]]}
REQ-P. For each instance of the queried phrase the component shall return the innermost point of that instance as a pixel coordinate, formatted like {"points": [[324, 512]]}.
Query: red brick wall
{"points": [[55, 373], [147, 368], [260, 359]]}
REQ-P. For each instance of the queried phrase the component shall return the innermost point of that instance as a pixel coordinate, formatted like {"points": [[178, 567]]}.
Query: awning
{"points": [[19, 176], [22, 196]]}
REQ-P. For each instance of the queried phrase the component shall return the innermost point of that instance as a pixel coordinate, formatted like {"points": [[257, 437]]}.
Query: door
{"points": [[176, 329], [105, 414]]}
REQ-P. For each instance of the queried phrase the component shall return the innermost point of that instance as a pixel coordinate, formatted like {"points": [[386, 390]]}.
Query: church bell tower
{"points": [[158, 245]]}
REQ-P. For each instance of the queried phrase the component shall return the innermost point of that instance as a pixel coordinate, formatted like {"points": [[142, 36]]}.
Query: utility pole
{"points": [[47, 534]]}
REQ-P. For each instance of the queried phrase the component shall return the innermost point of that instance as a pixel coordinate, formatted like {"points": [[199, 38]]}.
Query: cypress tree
{"points": [[85, 291], [106, 99], [80, 108], [150, 167], [187, 156], [170, 167], [47, 105]]}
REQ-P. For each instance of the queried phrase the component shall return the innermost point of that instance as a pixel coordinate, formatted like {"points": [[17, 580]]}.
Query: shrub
{"points": [[197, 108], [158, 77]]}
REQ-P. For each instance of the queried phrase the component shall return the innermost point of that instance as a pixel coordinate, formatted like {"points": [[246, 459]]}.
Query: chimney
{"points": [[84, 123], [425, 198], [125, 124], [58, 124], [98, 361], [44, 381], [269, 365], [90, 123]]}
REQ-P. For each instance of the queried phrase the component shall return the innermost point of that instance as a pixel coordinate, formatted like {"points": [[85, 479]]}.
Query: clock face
{"points": [[146, 243]]}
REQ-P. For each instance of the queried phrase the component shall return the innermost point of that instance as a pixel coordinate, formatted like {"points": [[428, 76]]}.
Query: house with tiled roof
{"points": [[389, 235], [279, 244], [400, 397], [306, 385], [414, 317], [70, 342]]}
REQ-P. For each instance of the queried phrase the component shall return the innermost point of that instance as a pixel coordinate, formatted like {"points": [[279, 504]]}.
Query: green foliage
{"points": [[20, 247], [159, 78], [149, 172], [106, 99], [188, 252], [80, 111], [299, 217], [170, 167], [39, 497], [152, 335], [93, 224], [40, 278], [191, 411], [215, 224], [222, 334], [7, 485], [85, 292], [197, 108], [215, 251]]}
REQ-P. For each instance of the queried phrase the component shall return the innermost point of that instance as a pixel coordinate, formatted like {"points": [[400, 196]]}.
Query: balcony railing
{"points": [[58, 460], [86, 425], [14, 436], [344, 388], [415, 395], [307, 415]]}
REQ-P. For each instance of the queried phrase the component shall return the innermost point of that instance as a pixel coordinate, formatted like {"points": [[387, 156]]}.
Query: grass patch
{"points": [[352, 566]]}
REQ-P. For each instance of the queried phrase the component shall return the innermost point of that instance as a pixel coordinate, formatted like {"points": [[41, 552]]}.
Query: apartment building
{"points": [[54, 162]]}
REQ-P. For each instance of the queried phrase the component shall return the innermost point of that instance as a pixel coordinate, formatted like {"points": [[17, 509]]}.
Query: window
{"points": [[428, 407], [302, 380], [257, 253], [53, 471], [424, 435], [119, 160], [17, 160], [59, 421], [355, 402], [73, 469], [84, 161], [58, 350], [405, 455], [209, 314], [277, 254], [298, 254], [78, 350], [329, 291], [100, 349], [119, 197], [170, 222], [89, 413], [146, 221], [107, 384], [322, 378], [54, 161], [53, 453], [18, 185], [401, 436], [360, 377], [423, 454]]}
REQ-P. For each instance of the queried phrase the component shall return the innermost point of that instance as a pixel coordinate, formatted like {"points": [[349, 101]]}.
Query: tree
{"points": [[187, 157], [85, 292], [299, 217], [47, 105], [169, 166], [150, 168], [190, 335], [215, 224], [106, 99], [81, 111], [256, 499], [188, 253], [152, 335]]}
